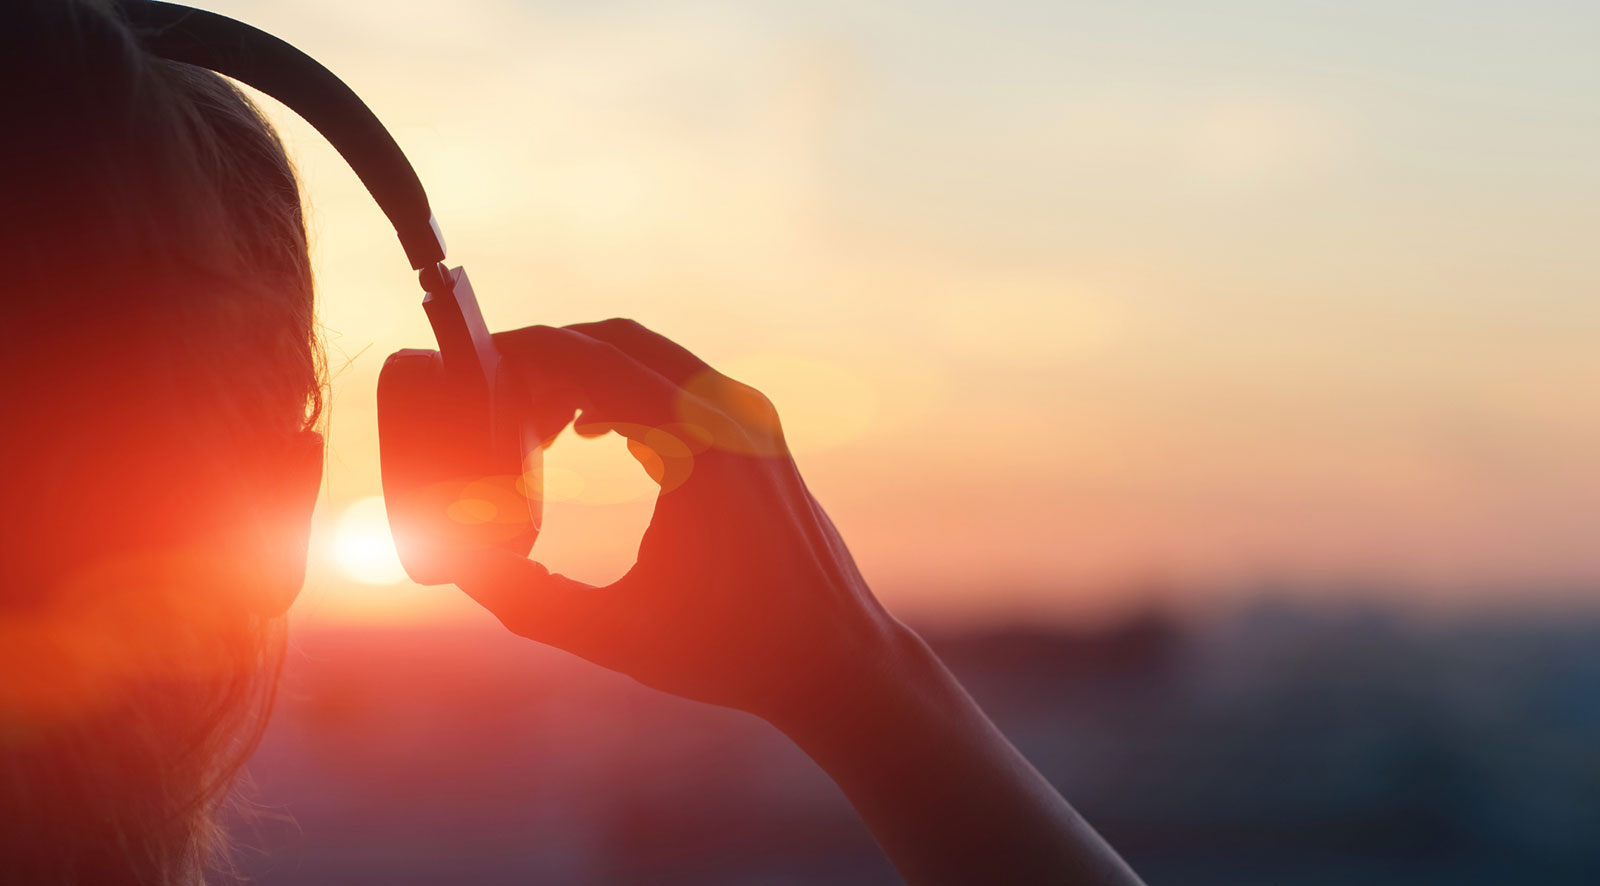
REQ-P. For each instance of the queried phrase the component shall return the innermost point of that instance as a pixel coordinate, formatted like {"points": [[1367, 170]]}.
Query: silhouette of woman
{"points": [[163, 387]]}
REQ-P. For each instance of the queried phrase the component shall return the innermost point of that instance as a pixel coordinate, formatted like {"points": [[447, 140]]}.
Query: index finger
{"points": [[672, 360], [614, 387]]}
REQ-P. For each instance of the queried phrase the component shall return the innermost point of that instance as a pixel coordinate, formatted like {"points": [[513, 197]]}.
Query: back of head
{"points": [[158, 373]]}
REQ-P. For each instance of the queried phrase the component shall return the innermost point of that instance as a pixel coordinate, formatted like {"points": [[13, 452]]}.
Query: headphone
{"points": [[460, 457]]}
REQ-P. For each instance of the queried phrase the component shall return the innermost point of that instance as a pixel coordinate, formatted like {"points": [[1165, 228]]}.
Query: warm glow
{"points": [[362, 544], [1049, 299], [820, 403]]}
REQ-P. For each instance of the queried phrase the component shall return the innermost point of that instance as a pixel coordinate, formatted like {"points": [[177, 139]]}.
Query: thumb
{"points": [[532, 601]]}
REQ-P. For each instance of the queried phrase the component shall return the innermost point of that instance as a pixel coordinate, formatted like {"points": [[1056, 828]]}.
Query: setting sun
{"points": [[1203, 390], [362, 544]]}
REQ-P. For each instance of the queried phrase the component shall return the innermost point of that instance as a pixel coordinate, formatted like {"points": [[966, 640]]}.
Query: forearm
{"points": [[744, 594], [946, 795]]}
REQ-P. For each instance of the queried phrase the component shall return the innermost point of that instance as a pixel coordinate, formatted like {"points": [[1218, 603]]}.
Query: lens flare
{"points": [[823, 404]]}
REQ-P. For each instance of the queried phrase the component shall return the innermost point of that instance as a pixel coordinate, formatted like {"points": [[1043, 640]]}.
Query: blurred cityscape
{"points": [[1279, 744]]}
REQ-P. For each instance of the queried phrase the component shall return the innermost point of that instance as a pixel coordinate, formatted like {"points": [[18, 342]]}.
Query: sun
{"points": [[362, 545]]}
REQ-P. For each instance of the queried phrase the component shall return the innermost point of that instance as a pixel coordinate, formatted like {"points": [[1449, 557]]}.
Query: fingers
{"points": [[640, 384], [612, 386], [673, 361], [733, 415], [534, 602], [549, 411]]}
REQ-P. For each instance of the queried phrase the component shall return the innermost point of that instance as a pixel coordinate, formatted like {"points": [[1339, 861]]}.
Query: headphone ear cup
{"points": [[453, 477]]}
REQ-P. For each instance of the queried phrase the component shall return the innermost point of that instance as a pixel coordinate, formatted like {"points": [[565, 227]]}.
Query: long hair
{"points": [[157, 348]]}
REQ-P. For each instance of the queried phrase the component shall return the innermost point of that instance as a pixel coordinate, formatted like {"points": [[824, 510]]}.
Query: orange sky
{"points": [[1059, 302]]}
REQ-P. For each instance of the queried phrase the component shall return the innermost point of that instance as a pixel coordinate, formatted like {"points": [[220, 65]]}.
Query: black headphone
{"points": [[459, 454]]}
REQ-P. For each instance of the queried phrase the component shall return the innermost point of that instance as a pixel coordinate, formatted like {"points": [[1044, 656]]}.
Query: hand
{"points": [[743, 593]]}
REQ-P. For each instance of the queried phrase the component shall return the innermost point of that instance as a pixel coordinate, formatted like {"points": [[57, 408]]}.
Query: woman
{"points": [[162, 466], [162, 388]]}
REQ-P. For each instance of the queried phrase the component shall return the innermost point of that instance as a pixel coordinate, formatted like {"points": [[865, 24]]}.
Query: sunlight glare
{"points": [[363, 546]]}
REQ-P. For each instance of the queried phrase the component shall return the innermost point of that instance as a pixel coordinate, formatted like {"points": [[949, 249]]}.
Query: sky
{"points": [[1067, 307]]}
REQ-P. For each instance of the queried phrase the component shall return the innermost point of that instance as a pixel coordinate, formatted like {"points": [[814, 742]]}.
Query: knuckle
{"points": [[620, 324], [525, 334]]}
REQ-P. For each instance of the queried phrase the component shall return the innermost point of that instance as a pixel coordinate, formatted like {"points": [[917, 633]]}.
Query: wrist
{"points": [[879, 684]]}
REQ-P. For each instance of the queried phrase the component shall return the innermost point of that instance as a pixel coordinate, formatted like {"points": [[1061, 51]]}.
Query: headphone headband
{"points": [[448, 418], [262, 61]]}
